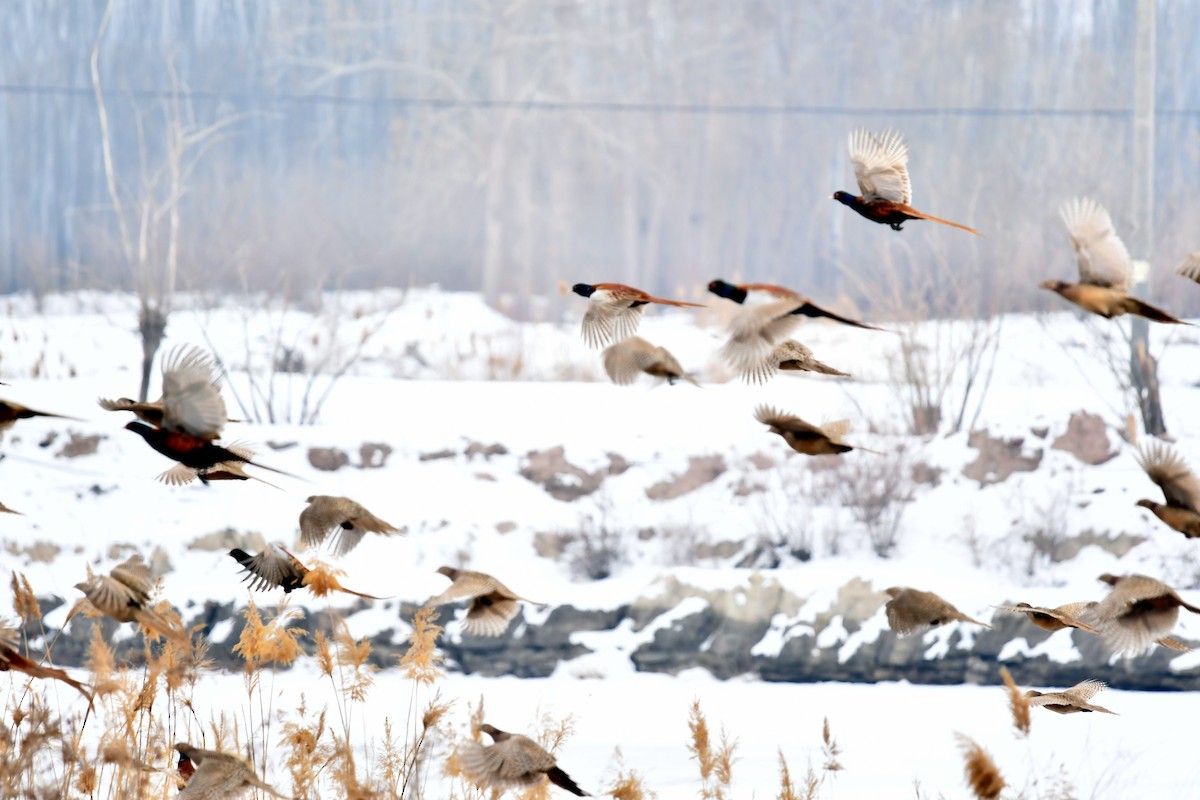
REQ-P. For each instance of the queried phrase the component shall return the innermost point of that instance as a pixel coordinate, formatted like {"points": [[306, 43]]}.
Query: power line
{"points": [[254, 99]]}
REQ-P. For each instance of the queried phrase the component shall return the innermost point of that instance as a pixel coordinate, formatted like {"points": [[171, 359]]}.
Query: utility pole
{"points": [[1143, 369]]}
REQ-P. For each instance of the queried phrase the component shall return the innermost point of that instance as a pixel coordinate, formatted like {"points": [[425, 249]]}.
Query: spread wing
{"points": [[191, 393], [112, 597], [1084, 690], [134, 573], [754, 334], [1099, 252], [1166, 468], [506, 763], [608, 321], [490, 615], [273, 567], [628, 358], [881, 166]]}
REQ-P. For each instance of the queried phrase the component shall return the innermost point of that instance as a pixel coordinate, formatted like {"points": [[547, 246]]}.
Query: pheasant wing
{"points": [[881, 166], [191, 393], [1165, 467], [1100, 253]]}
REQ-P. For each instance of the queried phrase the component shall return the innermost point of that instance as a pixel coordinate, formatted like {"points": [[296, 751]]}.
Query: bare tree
{"points": [[148, 209]]}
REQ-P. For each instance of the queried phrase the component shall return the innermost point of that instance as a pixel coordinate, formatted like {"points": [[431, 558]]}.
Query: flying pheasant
{"points": [[762, 326], [1054, 619], [493, 605], [512, 761], [11, 412], [1137, 613], [1179, 485], [1069, 701], [219, 776], [11, 659], [326, 514], [794, 356], [912, 610], [193, 415], [615, 311], [630, 357], [124, 595], [881, 169], [194, 452], [1105, 269], [804, 437], [275, 567]]}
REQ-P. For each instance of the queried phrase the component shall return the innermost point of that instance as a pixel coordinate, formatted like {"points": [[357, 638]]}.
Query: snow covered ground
{"points": [[439, 371]]}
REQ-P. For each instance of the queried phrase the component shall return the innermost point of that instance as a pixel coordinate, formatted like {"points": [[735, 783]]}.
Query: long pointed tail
{"points": [[365, 596], [678, 303], [1143, 309], [560, 778], [23, 664], [272, 469], [932, 218], [811, 310]]}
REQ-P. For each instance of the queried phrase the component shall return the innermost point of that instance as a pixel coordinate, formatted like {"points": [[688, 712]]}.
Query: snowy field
{"points": [[429, 371]]}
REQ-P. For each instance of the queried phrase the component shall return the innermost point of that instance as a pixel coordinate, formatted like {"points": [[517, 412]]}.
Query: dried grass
{"points": [[1018, 703], [983, 776]]}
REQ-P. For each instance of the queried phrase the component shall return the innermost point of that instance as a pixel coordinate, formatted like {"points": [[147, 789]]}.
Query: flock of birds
{"points": [[1137, 614]]}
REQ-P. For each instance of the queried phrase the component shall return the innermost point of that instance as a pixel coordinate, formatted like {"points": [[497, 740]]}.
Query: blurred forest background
{"points": [[511, 146]]}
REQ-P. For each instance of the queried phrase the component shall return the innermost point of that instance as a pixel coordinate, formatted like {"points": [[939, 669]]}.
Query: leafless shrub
{"points": [[784, 515], [950, 335], [597, 547], [1044, 529], [876, 489]]}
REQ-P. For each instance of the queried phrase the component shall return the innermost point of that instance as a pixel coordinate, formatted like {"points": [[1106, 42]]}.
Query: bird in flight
{"points": [[1105, 268], [615, 311], [881, 169], [629, 358], [512, 761], [1179, 485]]}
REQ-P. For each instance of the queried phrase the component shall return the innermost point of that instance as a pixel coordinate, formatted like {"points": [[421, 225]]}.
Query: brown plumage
{"points": [[6, 510], [275, 568], [1105, 269], [326, 514], [512, 761], [493, 605], [1137, 613], [912, 610], [1179, 485], [1053, 619], [794, 356], [761, 327], [881, 171], [630, 357], [1190, 267], [124, 595], [11, 659], [804, 437], [1069, 701], [218, 776], [10, 412], [182, 474], [151, 413], [615, 311]]}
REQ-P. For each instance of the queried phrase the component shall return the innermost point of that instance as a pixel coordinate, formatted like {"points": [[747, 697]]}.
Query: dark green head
{"points": [[727, 290]]}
